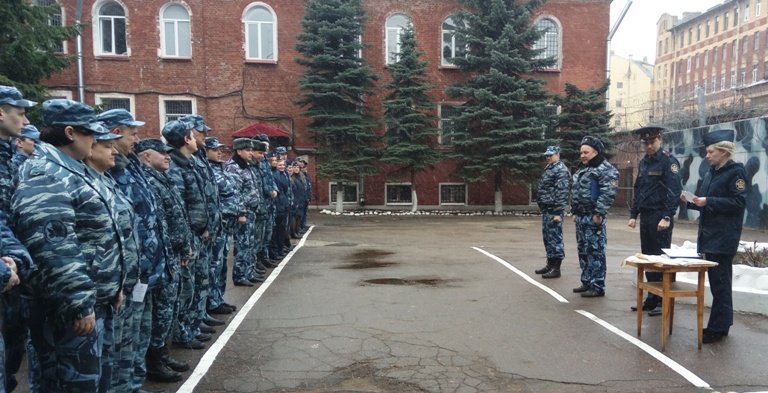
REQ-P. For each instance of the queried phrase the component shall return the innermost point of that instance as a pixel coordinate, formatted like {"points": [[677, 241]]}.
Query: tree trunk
{"points": [[340, 198], [414, 198], [497, 202]]}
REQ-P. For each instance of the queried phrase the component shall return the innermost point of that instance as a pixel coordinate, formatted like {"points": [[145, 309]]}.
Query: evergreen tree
{"points": [[501, 128], [411, 135], [28, 44], [334, 85], [582, 113]]}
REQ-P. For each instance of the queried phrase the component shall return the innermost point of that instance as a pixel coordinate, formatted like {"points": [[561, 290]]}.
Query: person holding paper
{"points": [[656, 200], [721, 206]]}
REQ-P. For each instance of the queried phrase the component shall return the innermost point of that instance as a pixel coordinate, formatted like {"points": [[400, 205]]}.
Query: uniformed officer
{"points": [[71, 229], [592, 194], [25, 144], [721, 202], [656, 200], [552, 198]]}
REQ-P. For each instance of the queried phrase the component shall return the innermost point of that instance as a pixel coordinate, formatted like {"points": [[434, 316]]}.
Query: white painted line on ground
{"points": [[675, 366], [210, 356], [526, 277]]}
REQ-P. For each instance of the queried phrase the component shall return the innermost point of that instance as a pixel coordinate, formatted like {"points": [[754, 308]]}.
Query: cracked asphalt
{"points": [[405, 304]]}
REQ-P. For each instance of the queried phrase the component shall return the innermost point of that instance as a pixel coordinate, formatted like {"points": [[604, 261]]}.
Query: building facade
{"points": [[712, 66], [630, 92], [233, 62]]}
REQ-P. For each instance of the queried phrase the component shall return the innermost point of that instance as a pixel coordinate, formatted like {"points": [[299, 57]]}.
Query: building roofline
{"points": [[701, 15]]}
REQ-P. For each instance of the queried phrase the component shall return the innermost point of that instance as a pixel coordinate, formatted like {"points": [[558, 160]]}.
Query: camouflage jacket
{"points": [[210, 191], [126, 218], [248, 183], [554, 185], [68, 221], [8, 171], [130, 179], [18, 159], [228, 196], [190, 186], [594, 187], [179, 238], [11, 247]]}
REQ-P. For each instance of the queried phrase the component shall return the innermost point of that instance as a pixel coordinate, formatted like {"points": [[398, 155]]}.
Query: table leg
{"points": [[639, 302], [700, 307], [664, 308], [671, 314]]}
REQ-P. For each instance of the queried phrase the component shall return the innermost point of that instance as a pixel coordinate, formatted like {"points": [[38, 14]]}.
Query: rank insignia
{"points": [[674, 168], [741, 184]]}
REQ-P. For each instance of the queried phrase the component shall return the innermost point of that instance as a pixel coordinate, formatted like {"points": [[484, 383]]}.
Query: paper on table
{"points": [[689, 196], [680, 252]]}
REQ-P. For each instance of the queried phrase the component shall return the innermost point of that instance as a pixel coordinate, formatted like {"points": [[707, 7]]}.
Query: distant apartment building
{"points": [[630, 92], [712, 64]]}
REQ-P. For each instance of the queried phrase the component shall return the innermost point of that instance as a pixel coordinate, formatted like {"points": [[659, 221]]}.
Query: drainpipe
{"points": [[79, 41], [608, 49]]}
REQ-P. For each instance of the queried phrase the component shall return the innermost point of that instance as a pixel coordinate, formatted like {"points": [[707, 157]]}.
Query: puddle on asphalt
{"points": [[430, 282], [367, 259], [355, 378]]}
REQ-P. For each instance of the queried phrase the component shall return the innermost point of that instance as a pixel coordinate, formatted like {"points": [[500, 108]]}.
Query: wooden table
{"points": [[669, 289]]}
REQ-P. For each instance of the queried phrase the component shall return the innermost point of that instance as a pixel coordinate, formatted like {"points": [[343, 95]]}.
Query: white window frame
{"points": [[559, 60], [96, 29], [163, 50], [386, 189], [440, 194], [754, 73], [162, 99], [99, 99], [67, 94], [247, 25], [689, 65], [443, 61], [758, 7], [746, 10], [331, 194], [396, 31], [440, 122]]}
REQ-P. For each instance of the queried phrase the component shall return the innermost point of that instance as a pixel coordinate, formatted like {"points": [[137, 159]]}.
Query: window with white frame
{"points": [[758, 7], [714, 83], [549, 42], [109, 101], [453, 46], [398, 193], [743, 77], [446, 125], [746, 11], [453, 194], [395, 25], [55, 18], [175, 31], [689, 64], [109, 30], [175, 107], [722, 81], [350, 194], [733, 79], [754, 73], [260, 26]]}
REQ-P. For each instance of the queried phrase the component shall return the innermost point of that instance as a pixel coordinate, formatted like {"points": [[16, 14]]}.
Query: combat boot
{"points": [[554, 272], [173, 364], [157, 370], [545, 268]]}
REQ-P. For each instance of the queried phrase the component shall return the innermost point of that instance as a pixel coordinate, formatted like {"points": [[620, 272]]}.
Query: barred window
{"points": [[549, 42], [175, 107], [56, 18], [107, 103], [350, 192], [447, 115], [398, 193], [453, 194]]}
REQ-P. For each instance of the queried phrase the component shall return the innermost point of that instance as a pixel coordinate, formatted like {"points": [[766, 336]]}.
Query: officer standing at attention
{"points": [[721, 203], [592, 194], [552, 198], [657, 189], [25, 144]]}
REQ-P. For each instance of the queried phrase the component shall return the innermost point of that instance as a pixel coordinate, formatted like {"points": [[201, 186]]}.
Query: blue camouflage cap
{"points": [[62, 112], [281, 150], [552, 150], [175, 129], [10, 95], [594, 142], [114, 118], [212, 142], [30, 132], [107, 137], [197, 122], [263, 137], [152, 144]]}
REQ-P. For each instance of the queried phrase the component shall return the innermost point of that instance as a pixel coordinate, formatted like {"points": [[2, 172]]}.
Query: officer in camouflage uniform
{"points": [[552, 198], [213, 229], [12, 254], [190, 186], [657, 191], [262, 212], [179, 243], [25, 144], [270, 190], [230, 208], [592, 194], [69, 223]]}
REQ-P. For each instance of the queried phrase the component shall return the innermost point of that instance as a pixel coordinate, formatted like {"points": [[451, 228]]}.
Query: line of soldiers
{"points": [[115, 247]]}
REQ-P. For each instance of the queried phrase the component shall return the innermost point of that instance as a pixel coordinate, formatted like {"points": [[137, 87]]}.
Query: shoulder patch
{"points": [[674, 168], [741, 184], [55, 231], [614, 183]]}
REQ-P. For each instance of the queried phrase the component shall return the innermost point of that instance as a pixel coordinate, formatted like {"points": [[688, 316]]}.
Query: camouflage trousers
{"points": [[591, 241], [17, 342], [183, 332], [245, 238], [165, 310], [269, 226], [122, 366], [142, 330], [218, 270], [72, 363], [260, 246], [552, 232]]}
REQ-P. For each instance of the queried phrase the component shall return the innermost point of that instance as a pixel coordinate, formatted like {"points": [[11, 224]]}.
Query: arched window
{"points": [[452, 46], [260, 26], [395, 25], [175, 31], [110, 29], [55, 18], [550, 41]]}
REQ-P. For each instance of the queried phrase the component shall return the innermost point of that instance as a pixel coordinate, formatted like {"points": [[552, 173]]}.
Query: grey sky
{"points": [[637, 34]]}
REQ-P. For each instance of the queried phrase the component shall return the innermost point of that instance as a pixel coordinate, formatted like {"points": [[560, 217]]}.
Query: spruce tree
{"points": [[334, 85], [582, 113], [501, 128], [411, 135]]}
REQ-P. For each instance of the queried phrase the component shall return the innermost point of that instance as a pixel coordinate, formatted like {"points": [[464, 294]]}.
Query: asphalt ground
{"points": [[442, 304]]}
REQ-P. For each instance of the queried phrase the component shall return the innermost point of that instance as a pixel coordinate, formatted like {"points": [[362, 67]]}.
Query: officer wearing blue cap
{"points": [[25, 144], [721, 203], [552, 198], [71, 228], [593, 191], [13, 119]]}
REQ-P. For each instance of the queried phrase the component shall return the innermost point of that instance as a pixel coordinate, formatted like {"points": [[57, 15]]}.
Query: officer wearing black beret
{"points": [[657, 189]]}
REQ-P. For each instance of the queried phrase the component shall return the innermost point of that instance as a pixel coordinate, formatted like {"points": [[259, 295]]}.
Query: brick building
{"points": [[722, 54], [233, 62]]}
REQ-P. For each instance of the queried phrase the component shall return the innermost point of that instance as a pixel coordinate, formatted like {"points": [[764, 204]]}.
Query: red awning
{"points": [[255, 129]]}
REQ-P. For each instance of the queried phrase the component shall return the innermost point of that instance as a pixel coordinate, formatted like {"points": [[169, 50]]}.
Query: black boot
{"points": [[554, 272], [545, 268], [157, 371], [173, 364]]}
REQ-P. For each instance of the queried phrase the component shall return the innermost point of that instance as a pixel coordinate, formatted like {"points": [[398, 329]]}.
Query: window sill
{"points": [[113, 57], [449, 67], [259, 61], [176, 59], [549, 70]]}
